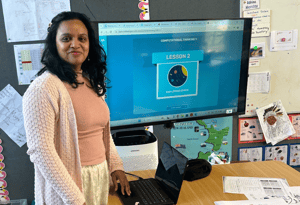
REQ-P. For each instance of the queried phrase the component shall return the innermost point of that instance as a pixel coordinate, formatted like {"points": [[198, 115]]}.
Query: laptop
{"points": [[164, 189]]}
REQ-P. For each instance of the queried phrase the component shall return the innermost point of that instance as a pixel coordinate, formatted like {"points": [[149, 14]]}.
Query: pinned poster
{"points": [[28, 61], [277, 153], [144, 7], [250, 131], [28, 20], [295, 119], [294, 155], [284, 40], [252, 154], [275, 122], [259, 82]]}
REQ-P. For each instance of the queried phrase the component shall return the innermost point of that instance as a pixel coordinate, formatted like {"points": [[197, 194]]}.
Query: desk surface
{"points": [[210, 189]]}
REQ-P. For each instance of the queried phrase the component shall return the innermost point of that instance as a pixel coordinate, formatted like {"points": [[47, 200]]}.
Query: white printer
{"points": [[138, 149]]}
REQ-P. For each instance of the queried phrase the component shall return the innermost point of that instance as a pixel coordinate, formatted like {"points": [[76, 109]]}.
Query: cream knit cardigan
{"points": [[52, 141]]}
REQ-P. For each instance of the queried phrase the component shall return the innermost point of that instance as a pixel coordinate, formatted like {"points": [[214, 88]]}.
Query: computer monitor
{"points": [[161, 72]]}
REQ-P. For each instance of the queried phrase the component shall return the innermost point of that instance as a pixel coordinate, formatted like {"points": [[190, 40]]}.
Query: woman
{"points": [[67, 119]]}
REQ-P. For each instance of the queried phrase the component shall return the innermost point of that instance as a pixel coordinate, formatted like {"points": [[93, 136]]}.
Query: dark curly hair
{"points": [[94, 68]]}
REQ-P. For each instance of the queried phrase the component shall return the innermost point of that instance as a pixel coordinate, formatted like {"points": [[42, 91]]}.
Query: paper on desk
{"points": [[275, 122], [292, 198], [11, 116], [295, 190], [256, 186], [253, 202]]}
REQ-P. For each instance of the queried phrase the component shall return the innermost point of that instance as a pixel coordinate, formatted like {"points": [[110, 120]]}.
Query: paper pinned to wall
{"points": [[11, 115], [250, 4], [284, 40], [28, 20], [28, 61], [261, 22], [275, 122], [259, 82]]}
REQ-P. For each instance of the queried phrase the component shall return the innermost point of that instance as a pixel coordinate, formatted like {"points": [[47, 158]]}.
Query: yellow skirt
{"points": [[95, 180]]}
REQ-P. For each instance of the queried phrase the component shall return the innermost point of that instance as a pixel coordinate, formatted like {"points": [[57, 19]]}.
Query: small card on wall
{"points": [[252, 4], [284, 40], [257, 50], [254, 62]]}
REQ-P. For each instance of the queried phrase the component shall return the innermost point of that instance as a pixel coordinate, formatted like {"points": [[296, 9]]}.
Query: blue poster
{"points": [[199, 139]]}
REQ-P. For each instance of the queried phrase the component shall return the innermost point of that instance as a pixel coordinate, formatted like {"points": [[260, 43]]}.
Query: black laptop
{"points": [[164, 189]]}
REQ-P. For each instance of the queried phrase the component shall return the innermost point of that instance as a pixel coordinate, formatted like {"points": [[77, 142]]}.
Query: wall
{"points": [[283, 65]]}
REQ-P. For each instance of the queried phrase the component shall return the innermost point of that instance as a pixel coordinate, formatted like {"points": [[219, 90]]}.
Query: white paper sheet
{"points": [[284, 40], [249, 5], [251, 154], [259, 82], [295, 190], [256, 186], [28, 61], [28, 20], [11, 116], [277, 153], [253, 202], [260, 23]]}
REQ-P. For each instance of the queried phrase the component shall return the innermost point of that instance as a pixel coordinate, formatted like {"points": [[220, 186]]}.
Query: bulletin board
{"points": [[282, 65]]}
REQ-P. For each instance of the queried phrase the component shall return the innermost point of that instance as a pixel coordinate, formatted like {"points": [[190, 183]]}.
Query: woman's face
{"points": [[72, 42]]}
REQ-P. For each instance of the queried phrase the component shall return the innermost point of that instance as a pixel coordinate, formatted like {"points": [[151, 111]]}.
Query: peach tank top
{"points": [[92, 115]]}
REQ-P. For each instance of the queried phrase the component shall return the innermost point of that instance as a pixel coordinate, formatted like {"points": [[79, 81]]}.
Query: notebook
{"points": [[168, 180]]}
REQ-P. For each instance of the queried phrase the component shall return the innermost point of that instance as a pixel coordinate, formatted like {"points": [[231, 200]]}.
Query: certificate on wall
{"points": [[250, 130]]}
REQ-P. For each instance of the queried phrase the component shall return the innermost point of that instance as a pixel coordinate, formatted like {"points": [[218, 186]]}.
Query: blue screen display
{"points": [[161, 71]]}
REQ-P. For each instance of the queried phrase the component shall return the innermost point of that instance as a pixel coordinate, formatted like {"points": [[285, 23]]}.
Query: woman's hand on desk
{"points": [[120, 175]]}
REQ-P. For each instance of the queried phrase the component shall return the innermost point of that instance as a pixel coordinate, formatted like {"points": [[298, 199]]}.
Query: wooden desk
{"points": [[210, 189]]}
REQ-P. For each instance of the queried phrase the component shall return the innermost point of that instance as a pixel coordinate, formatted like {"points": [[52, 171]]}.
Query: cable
{"points": [[134, 175], [89, 9]]}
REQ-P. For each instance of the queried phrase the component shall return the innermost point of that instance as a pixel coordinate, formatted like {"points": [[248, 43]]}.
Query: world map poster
{"points": [[199, 139]]}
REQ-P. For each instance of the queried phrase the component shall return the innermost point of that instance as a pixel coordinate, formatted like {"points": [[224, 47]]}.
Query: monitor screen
{"points": [[170, 71]]}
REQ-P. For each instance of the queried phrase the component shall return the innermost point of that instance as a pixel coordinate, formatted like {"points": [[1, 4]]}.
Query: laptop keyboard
{"points": [[148, 192]]}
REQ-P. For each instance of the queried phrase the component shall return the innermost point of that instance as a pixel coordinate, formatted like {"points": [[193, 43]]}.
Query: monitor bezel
{"points": [[241, 109]]}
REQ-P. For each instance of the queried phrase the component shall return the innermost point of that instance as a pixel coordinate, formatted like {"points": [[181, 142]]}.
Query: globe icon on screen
{"points": [[177, 75]]}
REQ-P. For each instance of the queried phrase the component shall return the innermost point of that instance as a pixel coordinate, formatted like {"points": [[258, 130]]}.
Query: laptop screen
{"points": [[170, 170]]}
